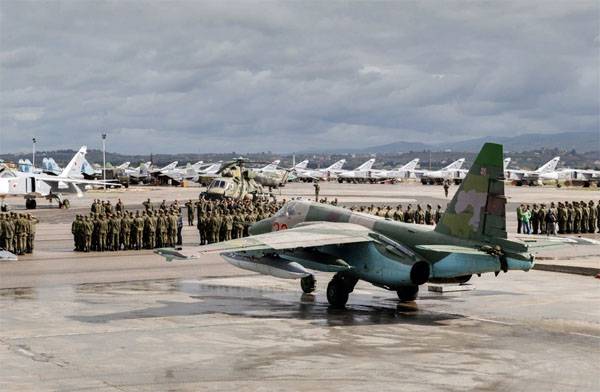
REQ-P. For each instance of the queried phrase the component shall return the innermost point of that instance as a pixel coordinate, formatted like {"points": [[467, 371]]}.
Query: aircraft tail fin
{"points": [[410, 165], [455, 165], [506, 163], [271, 166], [302, 165], [478, 209], [548, 166], [124, 165], [338, 165], [170, 166], [366, 166], [73, 169]]}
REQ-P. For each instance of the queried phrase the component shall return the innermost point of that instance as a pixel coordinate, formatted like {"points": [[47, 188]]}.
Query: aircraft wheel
{"points": [[337, 293], [30, 204], [407, 293], [66, 203], [308, 284], [4, 208]]}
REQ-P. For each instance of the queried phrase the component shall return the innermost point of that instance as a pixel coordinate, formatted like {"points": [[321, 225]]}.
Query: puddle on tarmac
{"points": [[264, 303]]}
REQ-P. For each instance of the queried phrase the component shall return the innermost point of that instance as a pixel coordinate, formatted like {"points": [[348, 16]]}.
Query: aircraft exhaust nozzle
{"points": [[267, 265]]}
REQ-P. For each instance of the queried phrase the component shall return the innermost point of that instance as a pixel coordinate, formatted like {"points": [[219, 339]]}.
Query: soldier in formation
{"points": [[111, 229], [568, 217], [17, 232], [419, 215], [222, 220]]}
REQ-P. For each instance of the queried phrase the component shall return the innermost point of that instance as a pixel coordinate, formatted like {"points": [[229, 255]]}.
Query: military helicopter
{"points": [[236, 181]]}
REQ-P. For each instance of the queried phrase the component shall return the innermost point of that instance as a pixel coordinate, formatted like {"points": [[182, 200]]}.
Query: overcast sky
{"points": [[225, 76]]}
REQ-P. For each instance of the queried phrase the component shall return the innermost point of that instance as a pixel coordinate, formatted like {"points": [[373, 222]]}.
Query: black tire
{"points": [[337, 293], [30, 204], [4, 208], [308, 284], [66, 204], [407, 293]]}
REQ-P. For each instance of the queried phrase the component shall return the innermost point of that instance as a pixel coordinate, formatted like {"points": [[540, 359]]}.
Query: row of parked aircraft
{"points": [[452, 172], [51, 181]]}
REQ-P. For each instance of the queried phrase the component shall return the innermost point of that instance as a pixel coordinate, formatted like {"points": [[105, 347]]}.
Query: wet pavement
{"points": [[521, 331]]}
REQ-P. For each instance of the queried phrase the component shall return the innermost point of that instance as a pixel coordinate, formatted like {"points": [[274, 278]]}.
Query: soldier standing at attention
{"points": [[428, 215], [438, 214], [409, 215], [33, 221], [88, 228], [419, 215], [190, 212], [585, 217], [147, 205], [102, 233], [116, 231], [228, 222], [317, 189], [9, 233], [535, 223], [576, 218], [592, 217], [399, 214], [570, 214], [562, 217], [75, 230], [126, 230], [138, 228], [180, 228], [119, 206]]}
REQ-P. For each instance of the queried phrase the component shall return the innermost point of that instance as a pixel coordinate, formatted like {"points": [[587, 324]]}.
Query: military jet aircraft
{"points": [[270, 176], [309, 175], [33, 185], [470, 239], [403, 172], [361, 174], [534, 177], [452, 172]]}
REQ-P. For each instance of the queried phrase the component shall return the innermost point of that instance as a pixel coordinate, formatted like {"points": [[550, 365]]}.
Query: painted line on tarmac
{"points": [[584, 334], [491, 321]]}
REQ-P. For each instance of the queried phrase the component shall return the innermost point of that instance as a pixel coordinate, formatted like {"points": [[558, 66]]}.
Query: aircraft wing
{"points": [[304, 236], [66, 180], [543, 242]]}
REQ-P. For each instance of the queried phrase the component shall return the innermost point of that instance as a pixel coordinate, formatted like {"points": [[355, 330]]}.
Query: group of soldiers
{"points": [[226, 219], [17, 232], [112, 228], [569, 217], [419, 215]]}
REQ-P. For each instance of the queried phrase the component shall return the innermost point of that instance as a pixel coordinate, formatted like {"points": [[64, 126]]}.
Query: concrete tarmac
{"points": [[129, 321]]}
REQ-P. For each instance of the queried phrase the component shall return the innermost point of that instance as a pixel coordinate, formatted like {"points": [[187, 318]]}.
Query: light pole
{"points": [[104, 159], [33, 155]]}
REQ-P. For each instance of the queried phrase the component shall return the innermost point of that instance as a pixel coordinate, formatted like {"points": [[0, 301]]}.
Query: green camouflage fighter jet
{"points": [[470, 239]]}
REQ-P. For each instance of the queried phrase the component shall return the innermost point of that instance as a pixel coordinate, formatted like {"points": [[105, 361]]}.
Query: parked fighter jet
{"points": [[452, 172], [403, 172], [270, 175], [360, 174], [545, 172], [470, 239], [32, 185], [585, 177], [138, 174], [309, 175]]}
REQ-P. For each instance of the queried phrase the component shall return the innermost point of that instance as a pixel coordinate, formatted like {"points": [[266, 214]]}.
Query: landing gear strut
{"points": [[308, 284], [30, 204], [407, 293], [339, 289]]}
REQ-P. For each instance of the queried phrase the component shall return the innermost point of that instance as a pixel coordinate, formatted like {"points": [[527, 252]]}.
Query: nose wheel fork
{"points": [[308, 284]]}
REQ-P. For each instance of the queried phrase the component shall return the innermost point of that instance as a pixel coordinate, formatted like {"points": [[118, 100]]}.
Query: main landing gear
{"points": [[407, 293], [339, 289]]}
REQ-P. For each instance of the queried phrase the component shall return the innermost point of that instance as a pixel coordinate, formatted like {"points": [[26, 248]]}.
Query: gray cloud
{"points": [[225, 76]]}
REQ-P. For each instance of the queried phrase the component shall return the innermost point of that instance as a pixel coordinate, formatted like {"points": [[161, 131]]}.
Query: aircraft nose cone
{"points": [[261, 227]]}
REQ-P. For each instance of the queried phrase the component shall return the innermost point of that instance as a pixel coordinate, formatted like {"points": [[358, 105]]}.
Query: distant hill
{"points": [[565, 141]]}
